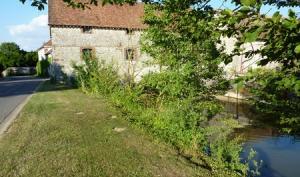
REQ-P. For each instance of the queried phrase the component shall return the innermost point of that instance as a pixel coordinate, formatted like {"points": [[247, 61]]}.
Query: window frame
{"points": [[87, 30], [129, 31], [82, 49], [134, 55]]}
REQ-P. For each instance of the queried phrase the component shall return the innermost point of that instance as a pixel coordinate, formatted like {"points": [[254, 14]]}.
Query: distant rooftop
{"points": [[46, 44]]}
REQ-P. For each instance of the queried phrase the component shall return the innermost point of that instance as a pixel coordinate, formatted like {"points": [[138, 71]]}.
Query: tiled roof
{"points": [[46, 44], [108, 16]]}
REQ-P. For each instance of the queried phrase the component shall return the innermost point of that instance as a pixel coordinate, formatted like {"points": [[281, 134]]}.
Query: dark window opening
{"points": [[87, 53], [129, 31], [130, 54], [87, 29]]}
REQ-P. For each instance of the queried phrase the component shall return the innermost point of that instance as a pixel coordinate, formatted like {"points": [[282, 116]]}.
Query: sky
{"points": [[23, 24], [28, 27]]}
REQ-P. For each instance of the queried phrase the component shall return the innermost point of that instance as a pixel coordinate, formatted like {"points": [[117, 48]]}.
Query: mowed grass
{"points": [[63, 132]]}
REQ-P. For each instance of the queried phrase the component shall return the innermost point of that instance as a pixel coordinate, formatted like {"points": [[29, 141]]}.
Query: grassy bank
{"points": [[62, 132]]}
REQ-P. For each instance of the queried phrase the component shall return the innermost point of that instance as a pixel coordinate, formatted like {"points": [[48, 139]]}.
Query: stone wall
{"points": [[110, 45], [107, 44]]}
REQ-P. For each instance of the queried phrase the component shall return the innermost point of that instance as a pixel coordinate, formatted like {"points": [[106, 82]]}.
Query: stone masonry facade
{"points": [[109, 45]]}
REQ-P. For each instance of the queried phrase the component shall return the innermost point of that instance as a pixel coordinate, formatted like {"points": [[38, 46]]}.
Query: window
{"points": [[129, 31], [87, 30], [87, 53], [130, 54]]}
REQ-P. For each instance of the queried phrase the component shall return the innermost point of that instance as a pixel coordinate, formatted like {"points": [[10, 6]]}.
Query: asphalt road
{"points": [[13, 91]]}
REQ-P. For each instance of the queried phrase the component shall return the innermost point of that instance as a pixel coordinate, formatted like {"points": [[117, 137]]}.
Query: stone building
{"points": [[110, 33]]}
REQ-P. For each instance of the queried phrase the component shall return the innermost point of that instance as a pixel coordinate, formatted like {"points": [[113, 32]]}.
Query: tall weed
{"points": [[166, 106]]}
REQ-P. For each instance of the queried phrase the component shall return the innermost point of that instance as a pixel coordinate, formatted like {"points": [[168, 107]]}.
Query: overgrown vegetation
{"points": [[161, 106], [42, 68], [276, 92], [11, 55]]}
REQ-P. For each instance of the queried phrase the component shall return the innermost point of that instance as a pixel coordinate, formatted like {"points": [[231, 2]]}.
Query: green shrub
{"points": [[96, 77], [170, 111], [42, 68], [275, 93]]}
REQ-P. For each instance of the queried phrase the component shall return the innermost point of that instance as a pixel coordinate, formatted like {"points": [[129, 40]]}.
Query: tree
{"points": [[30, 59], [280, 35], [10, 54], [276, 92], [1, 66], [183, 41], [40, 4]]}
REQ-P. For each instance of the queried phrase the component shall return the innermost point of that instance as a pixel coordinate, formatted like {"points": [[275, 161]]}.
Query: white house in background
{"points": [[45, 51], [241, 64]]}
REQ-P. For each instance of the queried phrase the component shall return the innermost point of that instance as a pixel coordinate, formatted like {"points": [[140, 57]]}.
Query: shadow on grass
{"points": [[49, 86]]}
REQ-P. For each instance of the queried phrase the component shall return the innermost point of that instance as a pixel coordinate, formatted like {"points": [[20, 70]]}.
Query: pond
{"points": [[279, 152]]}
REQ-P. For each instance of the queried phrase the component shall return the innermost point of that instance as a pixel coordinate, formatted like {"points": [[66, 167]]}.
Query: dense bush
{"points": [[1, 70], [276, 93], [30, 59], [157, 105], [12, 56], [42, 68]]}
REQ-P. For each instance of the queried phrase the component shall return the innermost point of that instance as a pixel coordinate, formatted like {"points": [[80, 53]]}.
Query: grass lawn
{"points": [[62, 132]]}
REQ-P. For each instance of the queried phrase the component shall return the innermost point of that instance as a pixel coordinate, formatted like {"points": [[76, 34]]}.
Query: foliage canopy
{"points": [[40, 4], [12, 55]]}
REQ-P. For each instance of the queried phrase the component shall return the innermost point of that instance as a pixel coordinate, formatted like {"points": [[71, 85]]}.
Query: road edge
{"points": [[8, 121]]}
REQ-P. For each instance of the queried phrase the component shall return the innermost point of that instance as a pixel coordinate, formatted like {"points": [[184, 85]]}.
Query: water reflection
{"points": [[280, 152], [280, 155]]}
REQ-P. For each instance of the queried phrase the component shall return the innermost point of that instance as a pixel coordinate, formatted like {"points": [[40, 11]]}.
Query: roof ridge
{"points": [[107, 16]]}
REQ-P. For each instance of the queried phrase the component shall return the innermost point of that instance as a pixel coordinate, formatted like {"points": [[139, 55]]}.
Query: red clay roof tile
{"points": [[108, 16]]}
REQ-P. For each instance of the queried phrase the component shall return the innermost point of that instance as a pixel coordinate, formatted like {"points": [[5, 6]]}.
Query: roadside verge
{"points": [[4, 126]]}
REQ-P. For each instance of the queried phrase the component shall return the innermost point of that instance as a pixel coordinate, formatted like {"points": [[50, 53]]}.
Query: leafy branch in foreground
{"points": [[275, 92], [40, 4]]}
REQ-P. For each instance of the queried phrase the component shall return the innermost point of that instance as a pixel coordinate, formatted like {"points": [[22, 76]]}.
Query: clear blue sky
{"points": [[26, 25], [17, 16], [265, 9]]}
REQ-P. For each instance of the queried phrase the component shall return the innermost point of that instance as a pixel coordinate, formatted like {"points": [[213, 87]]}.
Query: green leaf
{"points": [[297, 87], [252, 36], [245, 9], [248, 2], [276, 17], [289, 24], [297, 49], [292, 14], [227, 12], [240, 86]]}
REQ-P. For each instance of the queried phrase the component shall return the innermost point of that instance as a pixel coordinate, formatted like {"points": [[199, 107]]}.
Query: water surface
{"points": [[279, 152]]}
